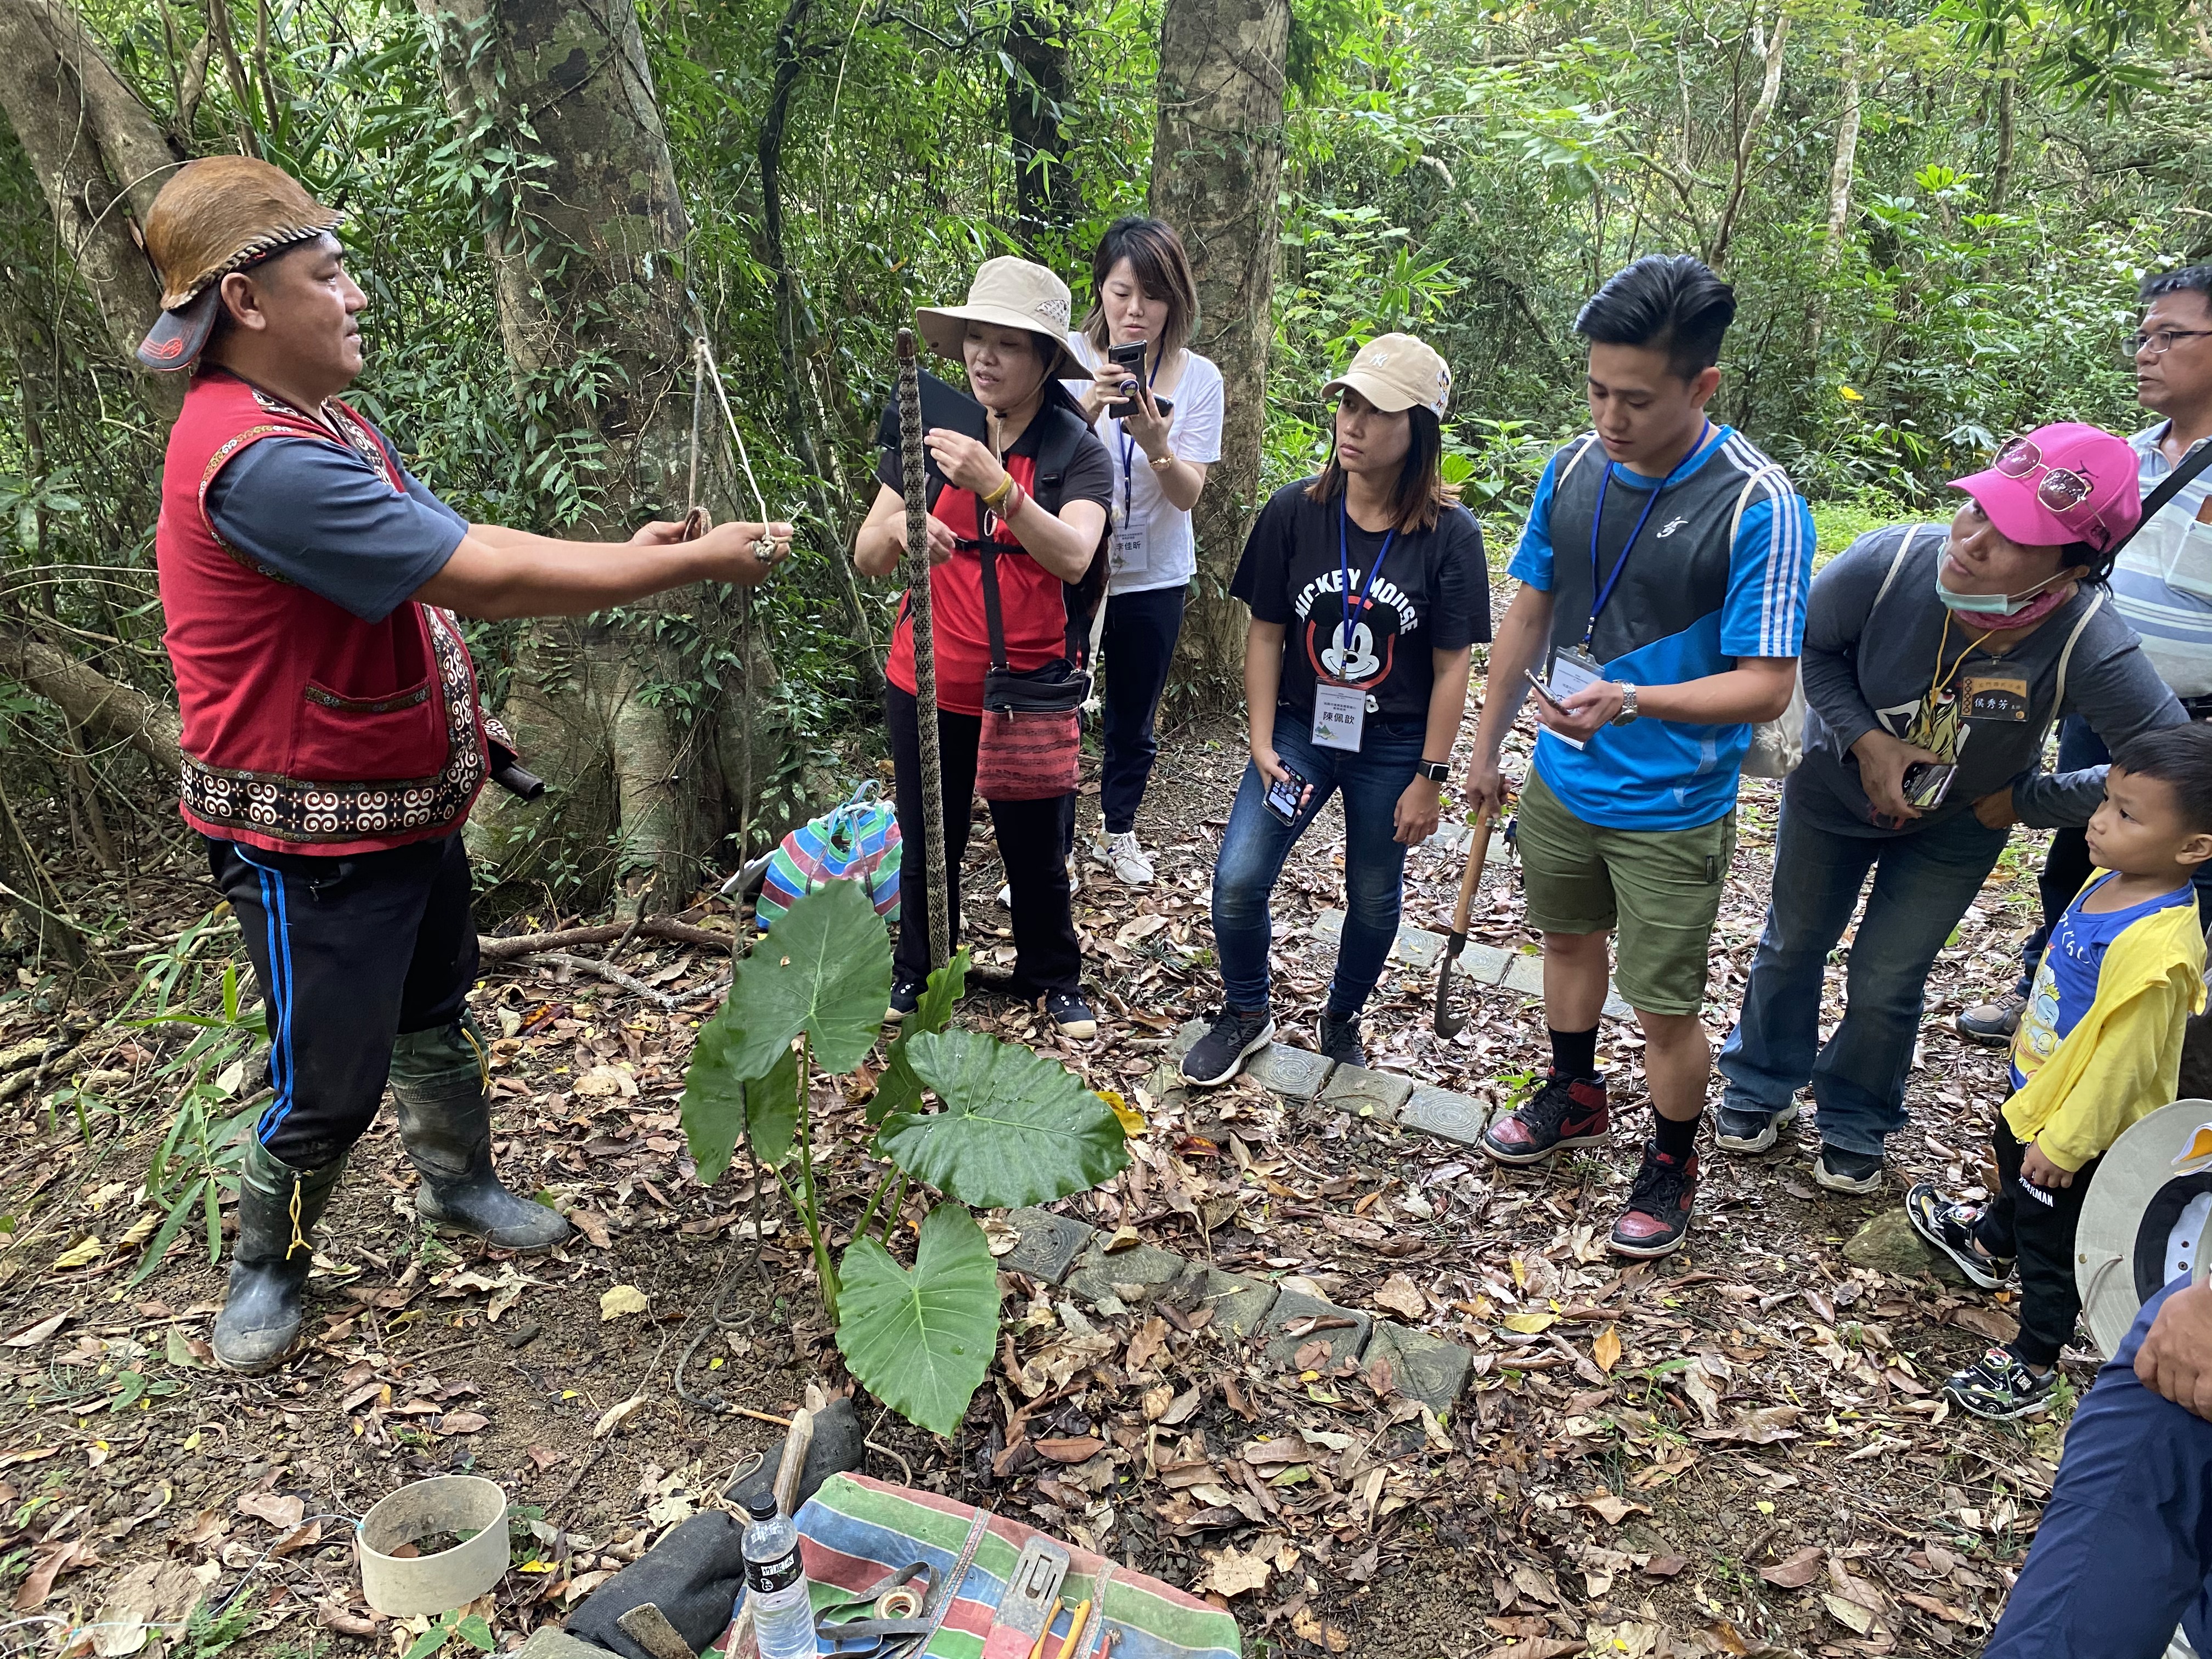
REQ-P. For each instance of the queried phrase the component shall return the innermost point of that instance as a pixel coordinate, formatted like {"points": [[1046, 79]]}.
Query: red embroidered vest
{"points": [[307, 730]]}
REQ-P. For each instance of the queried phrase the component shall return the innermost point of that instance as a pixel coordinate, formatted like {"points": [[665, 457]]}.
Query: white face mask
{"points": [[1992, 604]]}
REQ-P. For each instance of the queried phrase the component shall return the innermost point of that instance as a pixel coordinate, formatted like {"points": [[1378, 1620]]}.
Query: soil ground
{"points": [[1740, 1449]]}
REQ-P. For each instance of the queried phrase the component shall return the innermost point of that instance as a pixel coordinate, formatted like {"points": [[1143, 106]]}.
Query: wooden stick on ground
{"points": [[661, 927]]}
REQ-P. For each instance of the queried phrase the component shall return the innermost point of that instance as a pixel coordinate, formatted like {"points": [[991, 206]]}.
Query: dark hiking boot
{"points": [[440, 1079], [1736, 1130], [1842, 1170], [1992, 1024], [278, 1207], [1657, 1219], [1217, 1056], [1565, 1112], [1071, 1016], [1339, 1040], [1999, 1386]]}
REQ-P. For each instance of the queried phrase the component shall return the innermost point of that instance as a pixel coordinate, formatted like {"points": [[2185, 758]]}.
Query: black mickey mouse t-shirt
{"points": [[1433, 593]]}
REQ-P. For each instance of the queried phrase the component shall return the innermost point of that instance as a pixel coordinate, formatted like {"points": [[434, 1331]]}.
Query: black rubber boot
{"points": [[261, 1311], [440, 1079]]}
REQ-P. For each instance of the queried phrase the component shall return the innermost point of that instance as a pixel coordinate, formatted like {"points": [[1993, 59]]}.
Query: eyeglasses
{"points": [[2060, 489], [2159, 344]]}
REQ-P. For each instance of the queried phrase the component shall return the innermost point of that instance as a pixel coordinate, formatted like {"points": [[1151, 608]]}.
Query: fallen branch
{"points": [[661, 927], [614, 976]]}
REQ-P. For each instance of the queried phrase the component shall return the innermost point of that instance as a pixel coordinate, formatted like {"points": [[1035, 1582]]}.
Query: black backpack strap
{"points": [[989, 553]]}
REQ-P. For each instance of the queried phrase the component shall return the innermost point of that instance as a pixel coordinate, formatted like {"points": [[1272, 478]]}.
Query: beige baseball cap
{"points": [[1394, 372], [1008, 293]]}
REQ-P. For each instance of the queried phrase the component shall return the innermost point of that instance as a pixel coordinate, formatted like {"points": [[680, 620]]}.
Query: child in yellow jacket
{"points": [[2098, 1048]]}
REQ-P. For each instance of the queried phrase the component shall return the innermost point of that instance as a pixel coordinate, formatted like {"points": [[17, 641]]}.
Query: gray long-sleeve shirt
{"points": [[1868, 666]]}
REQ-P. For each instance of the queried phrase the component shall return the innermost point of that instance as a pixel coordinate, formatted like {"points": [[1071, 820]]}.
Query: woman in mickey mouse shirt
{"points": [[1368, 590]]}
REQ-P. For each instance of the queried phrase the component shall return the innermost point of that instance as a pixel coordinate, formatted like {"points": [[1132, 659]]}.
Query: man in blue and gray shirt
{"points": [[1662, 572], [2161, 586]]}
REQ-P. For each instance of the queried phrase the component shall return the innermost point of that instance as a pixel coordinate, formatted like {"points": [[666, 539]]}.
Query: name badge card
{"points": [[1129, 553], [1571, 670], [1340, 716], [2001, 697]]}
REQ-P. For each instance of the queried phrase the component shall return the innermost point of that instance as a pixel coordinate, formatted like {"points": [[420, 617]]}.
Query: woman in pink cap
{"points": [[1936, 658]]}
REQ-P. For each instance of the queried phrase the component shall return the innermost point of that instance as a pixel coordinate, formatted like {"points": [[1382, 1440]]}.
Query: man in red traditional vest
{"points": [[333, 738]]}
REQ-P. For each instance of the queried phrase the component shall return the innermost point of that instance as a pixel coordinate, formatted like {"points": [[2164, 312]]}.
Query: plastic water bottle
{"points": [[775, 1584]]}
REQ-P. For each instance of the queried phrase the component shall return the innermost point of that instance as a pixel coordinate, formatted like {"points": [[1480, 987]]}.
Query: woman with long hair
{"points": [[1033, 491], [1368, 592], [1158, 406]]}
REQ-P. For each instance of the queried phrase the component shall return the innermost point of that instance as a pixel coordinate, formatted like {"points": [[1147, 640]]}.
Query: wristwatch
{"points": [[1434, 771], [1627, 705]]}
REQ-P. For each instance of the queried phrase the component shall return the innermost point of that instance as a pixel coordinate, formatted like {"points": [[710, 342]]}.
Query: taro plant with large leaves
{"points": [[1007, 1128]]}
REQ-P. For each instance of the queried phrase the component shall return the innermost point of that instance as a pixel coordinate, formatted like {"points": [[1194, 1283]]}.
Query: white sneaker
{"points": [[1121, 854], [1074, 882]]}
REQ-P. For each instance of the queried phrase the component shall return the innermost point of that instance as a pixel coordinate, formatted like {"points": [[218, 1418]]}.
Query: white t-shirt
{"points": [[1160, 552]]}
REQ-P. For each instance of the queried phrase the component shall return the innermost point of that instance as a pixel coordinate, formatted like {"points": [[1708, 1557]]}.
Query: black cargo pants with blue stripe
{"points": [[351, 952]]}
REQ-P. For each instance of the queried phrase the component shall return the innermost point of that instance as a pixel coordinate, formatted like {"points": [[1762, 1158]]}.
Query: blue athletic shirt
{"points": [[2066, 979], [1719, 572]]}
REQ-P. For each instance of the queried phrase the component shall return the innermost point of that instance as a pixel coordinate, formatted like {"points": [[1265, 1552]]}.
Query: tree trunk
{"points": [[101, 157], [106, 710], [2001, 174], [1045, 199], [1217, 161], [1769, 91], [1839, 193], [586, 248]]}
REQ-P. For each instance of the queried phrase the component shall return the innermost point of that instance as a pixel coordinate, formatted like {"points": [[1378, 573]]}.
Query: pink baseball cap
{"points": [[2060, 483]]}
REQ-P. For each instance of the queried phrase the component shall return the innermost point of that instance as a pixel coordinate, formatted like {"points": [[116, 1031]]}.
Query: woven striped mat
{"points": [[856, 1530]]}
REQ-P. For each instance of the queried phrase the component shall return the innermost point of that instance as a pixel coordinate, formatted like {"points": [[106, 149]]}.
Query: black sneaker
{"points": [[1071, 1015], [905, 997], [1657, 1219], [2000, 1386], [1843, 1171], [1215, 1057], [1950, 1228], [1738, 1131], [1992, 1024], [1339, 1040], [1565, 1112]]}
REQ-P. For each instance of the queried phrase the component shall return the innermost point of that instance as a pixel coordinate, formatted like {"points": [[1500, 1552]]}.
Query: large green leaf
{"points": [[713, 1108], [772, 1106], [826, 970], [921, 1341], [900, 1089], [1016, 1129]]}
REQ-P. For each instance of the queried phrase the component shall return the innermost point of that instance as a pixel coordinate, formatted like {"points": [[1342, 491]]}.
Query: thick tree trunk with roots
{"points": [[1046, 201], [586, 243], [1217, 161], [101, 158]]}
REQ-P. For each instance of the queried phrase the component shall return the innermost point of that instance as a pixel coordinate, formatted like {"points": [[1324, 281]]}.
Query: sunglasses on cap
{"points": [[2062, 489]]}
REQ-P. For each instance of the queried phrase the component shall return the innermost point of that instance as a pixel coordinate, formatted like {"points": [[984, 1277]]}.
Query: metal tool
{"points": [[892, 1618], [1025, 1611], [1448, 1024]]}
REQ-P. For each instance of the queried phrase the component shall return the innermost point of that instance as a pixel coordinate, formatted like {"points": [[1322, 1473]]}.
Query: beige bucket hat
{"points": [[1008, 293], [1394, 372], [2145, 1221]]}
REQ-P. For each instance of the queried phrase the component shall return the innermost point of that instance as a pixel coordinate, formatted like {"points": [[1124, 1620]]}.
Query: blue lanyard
{"points": [[1343, 641], [1129, 455], [1597, 523]]}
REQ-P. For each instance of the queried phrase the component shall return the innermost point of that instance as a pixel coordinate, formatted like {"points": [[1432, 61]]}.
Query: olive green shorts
{"points": [[1661, 889]]}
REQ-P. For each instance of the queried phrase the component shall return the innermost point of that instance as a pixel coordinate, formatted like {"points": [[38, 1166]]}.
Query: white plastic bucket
{"points": [[405, 1586]]}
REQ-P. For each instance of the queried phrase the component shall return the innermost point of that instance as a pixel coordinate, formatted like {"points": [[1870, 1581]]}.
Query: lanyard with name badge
{"points": [[1574, 667], [1340, 711], [1130, 552]]}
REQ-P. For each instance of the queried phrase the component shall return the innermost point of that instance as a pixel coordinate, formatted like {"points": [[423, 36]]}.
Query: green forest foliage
{"points": [[1463, 170]]}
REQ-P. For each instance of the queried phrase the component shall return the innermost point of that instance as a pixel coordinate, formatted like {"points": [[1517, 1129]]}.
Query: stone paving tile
{"points": [[1423, 1367], [1239, 1301], [1356, 1089], [1293, 1073], [1186, 1037], [1440, 1112], [1414, 947], [1132, 1277], [1050, 1245], [1340, 1342]]}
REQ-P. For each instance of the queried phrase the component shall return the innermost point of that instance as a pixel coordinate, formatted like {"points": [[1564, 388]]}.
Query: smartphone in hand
{"points": [[1285, 795], [1544, 692]]}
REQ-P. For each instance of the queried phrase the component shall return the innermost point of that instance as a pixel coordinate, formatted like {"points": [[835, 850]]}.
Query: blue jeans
{"points": [[1257, 841], [1923, 884], [2066, 866], [2125, 1550]]}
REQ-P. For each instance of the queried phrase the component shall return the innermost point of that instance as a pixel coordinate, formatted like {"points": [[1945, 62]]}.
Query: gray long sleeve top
{"points": [[1866, 665]]}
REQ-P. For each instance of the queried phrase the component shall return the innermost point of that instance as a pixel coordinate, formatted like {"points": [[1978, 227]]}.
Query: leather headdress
{"points": [[221, 214]]}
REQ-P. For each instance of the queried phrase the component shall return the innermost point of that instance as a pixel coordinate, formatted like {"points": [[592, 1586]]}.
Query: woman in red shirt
{"points": [[1049, 530]]}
